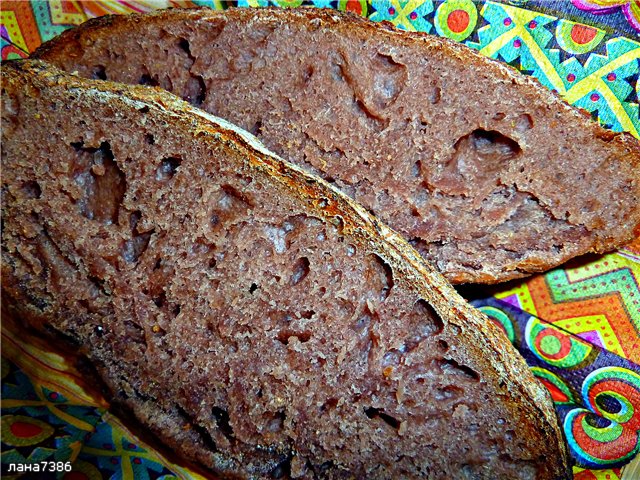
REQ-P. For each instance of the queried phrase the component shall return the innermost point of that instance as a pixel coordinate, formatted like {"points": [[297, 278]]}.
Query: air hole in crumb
{"points": [[336, 66], [176, 310], [373, 413], [389, 79], [183, 43], [134, 219], [435, 96], [147, 79], [300, 270], [324, 468], [284, 336], [432, 323], [100, 284], [144, 109], [428, 323], [32, 189], [331, 403], [499, 116], [134, 332], [233, 199], [202, 432], [99, 73], [308, 73], [158, 330], [392, 357], [102, 182], [307, 314], [417, 169], [168, 168], [160, 300], [450, 392], [136, 246], [276, 422], [364, 320], [443, 346], [386, 277], [492, 143], [256, 129], [221, 417], [450, 366], [150, 139], [282, 469], [86, 305], [253, 288], [488, 151], [195, 91], [524, 122]]}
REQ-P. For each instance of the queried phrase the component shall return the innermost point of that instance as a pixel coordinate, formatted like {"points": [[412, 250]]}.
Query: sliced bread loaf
{"points": [[486, 173], [254, 318]]}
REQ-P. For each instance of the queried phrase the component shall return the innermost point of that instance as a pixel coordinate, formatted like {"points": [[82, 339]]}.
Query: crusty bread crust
{"points": [[486, 345], [620, 144]]}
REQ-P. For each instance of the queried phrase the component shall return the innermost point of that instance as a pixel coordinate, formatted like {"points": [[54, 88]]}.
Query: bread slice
{"points": [[253, 317], [486, 173]]}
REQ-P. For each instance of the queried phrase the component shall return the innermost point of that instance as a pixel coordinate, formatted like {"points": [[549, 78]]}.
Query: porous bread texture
{"points": [[486, 173], [253, 317]]}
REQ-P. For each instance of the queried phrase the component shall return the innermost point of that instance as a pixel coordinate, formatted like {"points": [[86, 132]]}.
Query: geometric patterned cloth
{"points": [[596, 298], [596, 393], [578, 326]]}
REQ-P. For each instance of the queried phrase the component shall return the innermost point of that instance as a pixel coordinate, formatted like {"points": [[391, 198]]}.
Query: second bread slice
{"points": [[485, 172]]}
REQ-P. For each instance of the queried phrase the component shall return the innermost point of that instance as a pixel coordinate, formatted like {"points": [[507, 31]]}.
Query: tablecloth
{"points": [[577, 326]]}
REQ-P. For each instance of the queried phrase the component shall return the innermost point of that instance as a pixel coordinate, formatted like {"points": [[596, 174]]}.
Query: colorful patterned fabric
{"points": [[630, 9], [595, 298], [577, 326], [596, 393], [47, 415]]}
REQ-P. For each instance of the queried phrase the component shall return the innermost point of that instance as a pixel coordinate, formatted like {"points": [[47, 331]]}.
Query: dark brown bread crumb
{"points": [[254, 318], [485, 172]]}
